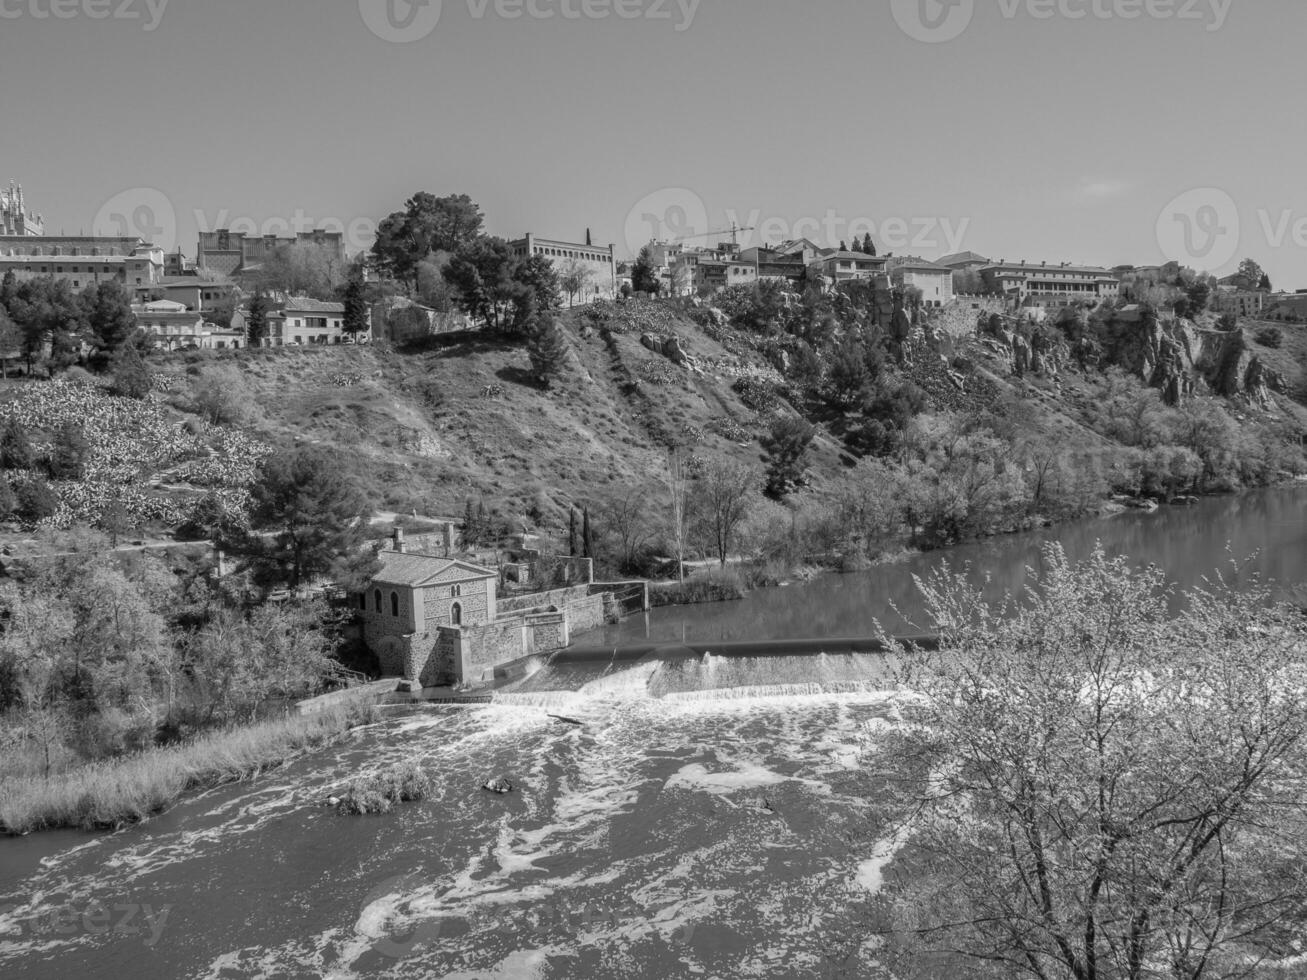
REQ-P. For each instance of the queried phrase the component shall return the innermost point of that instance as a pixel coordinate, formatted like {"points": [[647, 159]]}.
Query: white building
{"points": [[935, 281]]}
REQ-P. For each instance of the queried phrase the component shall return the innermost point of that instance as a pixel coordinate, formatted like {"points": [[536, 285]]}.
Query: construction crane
{"points": [[734, 231]]}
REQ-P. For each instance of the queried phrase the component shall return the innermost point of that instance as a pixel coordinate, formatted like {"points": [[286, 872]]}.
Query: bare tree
{"points": [[1091, 788], [574, 277], [721, 498], [678, 490]]}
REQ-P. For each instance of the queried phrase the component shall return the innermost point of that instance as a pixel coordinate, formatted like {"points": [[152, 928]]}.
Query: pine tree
{"points": [[471, 536], [844, 246], [868, 245], [257, 319], [587, 535], [356, 306], [547, 349], [573, 542], [131, 378], [483, 523]]}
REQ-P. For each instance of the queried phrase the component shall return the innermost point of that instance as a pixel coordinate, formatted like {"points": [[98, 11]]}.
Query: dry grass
{"points": [[128, 790]]}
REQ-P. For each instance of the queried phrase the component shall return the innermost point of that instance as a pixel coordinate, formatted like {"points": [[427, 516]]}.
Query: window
{"points": [[363, 601], [456, 591], [394, 604], [456, 615], [376, 599]]}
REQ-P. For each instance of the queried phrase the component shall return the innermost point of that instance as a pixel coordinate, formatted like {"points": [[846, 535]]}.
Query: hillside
{"points": [[426, 430]]}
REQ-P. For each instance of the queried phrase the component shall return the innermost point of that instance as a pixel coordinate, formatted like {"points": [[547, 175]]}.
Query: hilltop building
{"points": [[172, 326], [82, 260], [15, 219], [235, 254], [303, 322], [933, 280], [1042, 284], [599, 261], [849, 266]]}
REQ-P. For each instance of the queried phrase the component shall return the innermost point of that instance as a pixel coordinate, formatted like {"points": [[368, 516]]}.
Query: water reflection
{"points": [[1190, 543]]}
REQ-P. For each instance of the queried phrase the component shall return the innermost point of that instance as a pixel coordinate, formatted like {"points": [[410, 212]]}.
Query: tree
{"points": [[108, 312], [501, 289], [1091, 787], [844, 246], [678, 491], [721, 499], [573, 540], [256, 318], [573, 278], [49, 315], [644, 275], [868, 246], [1264, 283], [587, 535], [131, 378], [356, 306], [69, 454], [1250, 274], [428, 224], [786, 447], [308, 519], [547, 349], [16, 451], [314, 269], [36, 501]]}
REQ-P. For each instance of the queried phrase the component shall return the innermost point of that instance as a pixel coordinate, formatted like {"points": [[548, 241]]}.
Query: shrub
{"points": [[15, 449], [380, 792], [36, 501], [1272, 337]]}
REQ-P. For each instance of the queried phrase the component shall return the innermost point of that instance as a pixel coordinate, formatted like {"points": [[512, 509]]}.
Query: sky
{"points": [[1091, 131]]}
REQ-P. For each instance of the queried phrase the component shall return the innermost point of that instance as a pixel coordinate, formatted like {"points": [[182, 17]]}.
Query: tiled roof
{"points": [[963, 258], [920, 265], [1037, 267], [302, 304], [853, 256], [413, 571]]}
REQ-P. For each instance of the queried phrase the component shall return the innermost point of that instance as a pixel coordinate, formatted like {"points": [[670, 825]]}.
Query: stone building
{"points": [[171, 326], [934, 280], [1044, 284], [82, 260], [234, 254], [849, 266]]}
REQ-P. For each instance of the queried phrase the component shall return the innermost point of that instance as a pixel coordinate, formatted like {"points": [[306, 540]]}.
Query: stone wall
{"points": [[542, 600], [484, 648], [586, 614]]}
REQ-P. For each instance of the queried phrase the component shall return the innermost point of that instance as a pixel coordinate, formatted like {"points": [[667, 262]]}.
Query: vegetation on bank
{"points": [[112, 793]]}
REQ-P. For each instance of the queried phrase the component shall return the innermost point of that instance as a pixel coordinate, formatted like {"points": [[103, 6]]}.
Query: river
{"points": [[683, 829]]}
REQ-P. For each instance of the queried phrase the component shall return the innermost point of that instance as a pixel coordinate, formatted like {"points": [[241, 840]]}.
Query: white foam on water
{"points": [[746, 776]]}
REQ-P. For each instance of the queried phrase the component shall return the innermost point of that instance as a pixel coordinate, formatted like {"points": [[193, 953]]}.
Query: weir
{"points": [[709, 670]]}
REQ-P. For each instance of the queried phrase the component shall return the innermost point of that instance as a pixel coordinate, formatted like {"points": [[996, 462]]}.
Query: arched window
{"points": [[394, 604], [456, 614], [376, 599], [456, 591]]}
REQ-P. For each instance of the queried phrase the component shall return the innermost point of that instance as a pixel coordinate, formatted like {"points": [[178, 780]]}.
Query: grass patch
{"points": [[117, 793], [383, 791]]}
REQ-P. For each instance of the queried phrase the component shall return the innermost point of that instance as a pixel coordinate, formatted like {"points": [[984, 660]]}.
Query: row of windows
{"points": [[55, 250], [569, 253]]}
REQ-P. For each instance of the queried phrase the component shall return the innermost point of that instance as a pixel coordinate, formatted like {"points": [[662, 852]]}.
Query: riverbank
{"points": [[120, 792]]}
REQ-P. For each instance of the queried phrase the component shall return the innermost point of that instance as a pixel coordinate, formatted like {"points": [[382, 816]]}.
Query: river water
{"points": [[702, 818]]}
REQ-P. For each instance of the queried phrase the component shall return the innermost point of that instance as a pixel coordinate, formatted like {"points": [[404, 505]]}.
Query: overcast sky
{"points": [[1058, 130]]}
